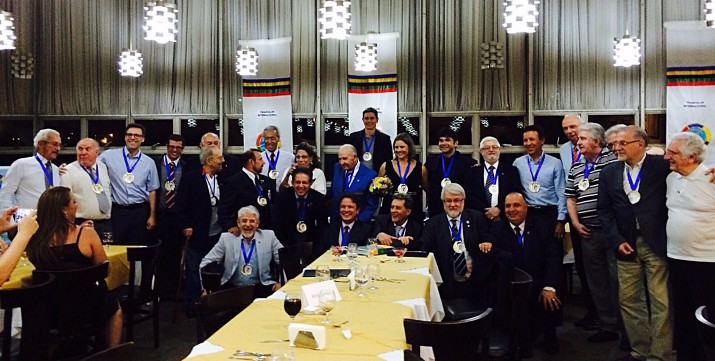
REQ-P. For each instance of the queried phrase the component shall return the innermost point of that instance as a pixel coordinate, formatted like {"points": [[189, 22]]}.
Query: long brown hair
{"points": [[53, 225]]}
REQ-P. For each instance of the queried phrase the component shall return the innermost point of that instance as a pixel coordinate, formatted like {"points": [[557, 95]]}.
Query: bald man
{"points": [[351, 176], [231, 164]]}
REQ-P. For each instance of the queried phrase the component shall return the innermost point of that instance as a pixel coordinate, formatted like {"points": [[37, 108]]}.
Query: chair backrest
{"points": [[211, 276], [706, 329], [122, 352], [294, 258], [148, 258], [215, 309], [453, 340]]}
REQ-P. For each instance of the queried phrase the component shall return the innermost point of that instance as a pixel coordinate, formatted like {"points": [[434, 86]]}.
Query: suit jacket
{"points": [[437, 239], [540, 256], [381, 149], [240, 191], [193, 209], [228, 252], [231, 164], [358, 234], [359, 186], [286, 217], [618, 216], [383, 223], [179, 171], [458, 174], [507, 179]]}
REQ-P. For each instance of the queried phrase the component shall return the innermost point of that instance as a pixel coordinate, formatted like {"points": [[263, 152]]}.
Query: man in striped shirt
{"points": [[582, 198]]}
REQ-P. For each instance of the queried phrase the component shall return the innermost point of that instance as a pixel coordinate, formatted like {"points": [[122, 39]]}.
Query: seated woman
{"points": [[11, 254], [59, 244]]}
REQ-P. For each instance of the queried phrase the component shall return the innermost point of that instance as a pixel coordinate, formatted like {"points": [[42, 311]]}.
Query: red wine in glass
{"points": [[292, 305]]}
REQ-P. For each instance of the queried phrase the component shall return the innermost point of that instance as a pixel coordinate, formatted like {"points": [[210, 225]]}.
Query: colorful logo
{"points": [[260, 144], [699, 129]]}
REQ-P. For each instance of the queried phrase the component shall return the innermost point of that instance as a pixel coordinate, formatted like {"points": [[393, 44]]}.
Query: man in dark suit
{"points": [[488, 184], [352, 176], [533, 248], [300, 212], [460, 242], [171, 167], [632, 211], [346, 228], [197, 218], [395, 229], [231, 164], [246, 188], [449, 166], [373, 146]]}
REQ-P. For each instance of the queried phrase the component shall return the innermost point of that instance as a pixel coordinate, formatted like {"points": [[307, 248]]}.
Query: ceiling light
{"points": [[7, 31], [520, 16], [161, 22], [334, 19], [131, 63], [366, 56]]}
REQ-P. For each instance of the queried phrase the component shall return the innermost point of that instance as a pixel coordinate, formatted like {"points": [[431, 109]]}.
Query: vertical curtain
{"points": [[17, 95]]}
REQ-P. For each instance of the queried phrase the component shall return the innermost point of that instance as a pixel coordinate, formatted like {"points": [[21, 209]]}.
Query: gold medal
{"points": [[273, 174], [583, 184], [458, 247], [301, 227], [367, 156], [403, 188], [169, 186], [445, 182], [97, 188], [128, 178], [247, 269], [262, 201], [534, 187], [634, 197]]}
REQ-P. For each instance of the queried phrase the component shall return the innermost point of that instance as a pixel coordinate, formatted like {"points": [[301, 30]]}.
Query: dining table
{"points": [[375, 321]]}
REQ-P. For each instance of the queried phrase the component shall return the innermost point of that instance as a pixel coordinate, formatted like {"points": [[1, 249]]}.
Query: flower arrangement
{"points": [[381, 186]]}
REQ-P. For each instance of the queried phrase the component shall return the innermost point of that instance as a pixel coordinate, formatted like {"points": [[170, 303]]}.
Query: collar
{"points": [[349, 225], [521, 226], [304, 197], [355, 169], [43, 159], [449, 219], [250, 174], [248, 241], [403, 225], [175, 161], [638, 165], [129, 155], [487, 165], [543, 154]]}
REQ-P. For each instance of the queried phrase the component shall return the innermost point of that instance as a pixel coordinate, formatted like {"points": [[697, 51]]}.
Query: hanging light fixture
{"points": [[23, 65], [7, 31], [520, 16], [366, 56], [710, 13], [246, 61], [131, 63], [161, 22], [626, 51], [334, 19]]}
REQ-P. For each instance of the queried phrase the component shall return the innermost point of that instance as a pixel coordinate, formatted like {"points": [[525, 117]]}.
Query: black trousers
{"points": [[172, 239], [578, 262], [129, 224]]}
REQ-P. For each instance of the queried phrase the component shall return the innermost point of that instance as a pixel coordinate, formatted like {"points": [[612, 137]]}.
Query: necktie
{"points": [[574, 154], [48, 165], [102, 198], [301, 207], [458, 259], [398, 231], [517, 232], [171, 195], [346, 236], [273, 158], [488, 183]]}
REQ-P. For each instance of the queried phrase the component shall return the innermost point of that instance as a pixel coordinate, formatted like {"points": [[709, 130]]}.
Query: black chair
{"points": [[464, 308], [510, 343], [215, 309], [293, 259], [706, 329], [67, 324], [122, 352], [135, 298], [28, 298], [453, 340], [211, 276]]}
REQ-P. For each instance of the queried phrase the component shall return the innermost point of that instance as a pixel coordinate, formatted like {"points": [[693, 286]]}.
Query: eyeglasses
{"points": [[491, 147], [623, 143], [133, 135]]}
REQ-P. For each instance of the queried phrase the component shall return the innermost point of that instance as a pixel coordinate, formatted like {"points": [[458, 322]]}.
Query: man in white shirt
{"points": [[89, 182], [28, 177], [277, 160]]}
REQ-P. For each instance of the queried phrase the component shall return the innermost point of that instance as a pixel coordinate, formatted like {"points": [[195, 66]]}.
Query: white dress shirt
{"points": [[495, 196], [284, 161], [24, 183]]}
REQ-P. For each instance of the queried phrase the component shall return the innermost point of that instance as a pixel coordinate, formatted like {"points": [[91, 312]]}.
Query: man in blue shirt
{"points": [[542, 177], [134, 182]]}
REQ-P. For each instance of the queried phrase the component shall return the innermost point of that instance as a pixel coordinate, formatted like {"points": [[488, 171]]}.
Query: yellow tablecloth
{"points": [[118, 269]]}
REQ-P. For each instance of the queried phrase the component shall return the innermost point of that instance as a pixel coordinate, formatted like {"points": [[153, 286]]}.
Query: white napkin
{"points": [[397, 355], [423, 271], [204, 348], [419, 308], [351, 277], [278, 295]]}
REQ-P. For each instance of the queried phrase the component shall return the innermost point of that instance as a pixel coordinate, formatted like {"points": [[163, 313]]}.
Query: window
{"points": [[507, 130], [193, 129], [108, 132], [655, 127], [235, 132], [304, 131], [552, 129], [16, 133], [329, 161], [410, 126], [608, 121], [461, 124], [69, 130], [157, 131], [337, 131]]}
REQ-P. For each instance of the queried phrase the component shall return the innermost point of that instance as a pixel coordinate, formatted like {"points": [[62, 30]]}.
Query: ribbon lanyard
{"points": [[247, 258], [520, 239], [587, 170], [169, 177], [126, 162], [368, 146], [258, 187], [212, 189], [541, 162], [95, 180], [496, 175], [456, 237], [345, 235], [272, 165], [48, 173], [575, 157], [399, 171], [634, 185], [445, 172], [348, 178]]}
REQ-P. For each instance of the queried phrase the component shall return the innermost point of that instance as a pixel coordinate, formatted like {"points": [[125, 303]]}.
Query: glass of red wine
{"points": [[399, 252], [292, 305]]}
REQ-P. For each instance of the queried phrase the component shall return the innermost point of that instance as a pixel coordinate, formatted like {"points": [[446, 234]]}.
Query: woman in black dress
{"points": [[407, 174]]}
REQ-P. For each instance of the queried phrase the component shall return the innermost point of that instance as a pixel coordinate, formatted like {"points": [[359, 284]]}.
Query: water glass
{"points": [[107, 240], [352, 252], [337, 251], [282, 353], [326, 302], [373, 271], [372, 247], [361, 278], [322, 272]]}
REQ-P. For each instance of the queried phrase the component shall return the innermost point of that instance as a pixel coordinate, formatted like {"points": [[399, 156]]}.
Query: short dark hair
{"points": [[352, 196], [311, 153], [135, 125], [303, 170], [534, 128], [448, 132], [370, 110], [175, 138], [248, 155], [403, 197]]}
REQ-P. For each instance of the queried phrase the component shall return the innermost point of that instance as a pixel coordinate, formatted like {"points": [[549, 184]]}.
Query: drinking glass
{"points": [[361, 278], [373, 271], [326, 302], [107, 240], [322, 272], [399, 252], [292, 305], [337, 251], [372, 247], [352, 252], [282, 353]]}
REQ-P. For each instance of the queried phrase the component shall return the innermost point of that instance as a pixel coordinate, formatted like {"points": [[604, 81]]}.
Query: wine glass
{"points": [[337, 251], [399, 252], [361, 278], [326, 302], [373, 271], [292, 304], [352, 252], [322, 272], [107, 240], [282, 353]]}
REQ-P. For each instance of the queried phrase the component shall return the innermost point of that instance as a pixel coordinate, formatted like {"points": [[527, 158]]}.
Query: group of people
{"points": [[639, 223]]}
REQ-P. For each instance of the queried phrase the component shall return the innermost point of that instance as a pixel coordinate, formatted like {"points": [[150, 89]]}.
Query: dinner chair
{"points": [[28, 299], [66, 326], [706, 329], [121, 352], [215, 309], [140, 302], [293, 259], [211, 276], [510, 343], [452, 340]]}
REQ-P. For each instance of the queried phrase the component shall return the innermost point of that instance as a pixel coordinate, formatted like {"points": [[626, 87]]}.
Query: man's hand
{"points": [[88, 223], [188, 232], [234, 231], [549, 300], [384, 239], [485, 247], [625, 249], [492, 213], [5, 219], [582, 230], [63, 168], [405, 239], [711, 171], [276, 287], [151, 223], [559, 231]]}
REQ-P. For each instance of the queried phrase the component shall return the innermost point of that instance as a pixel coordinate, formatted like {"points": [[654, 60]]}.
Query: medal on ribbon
{"points": [[212, 189], [273, 173], [247, 269], [128, 177], [96, 187], [584, 183], [534, 186], [367, 156], [634, 196], [403, 188], [446, 171], [48, 172]]}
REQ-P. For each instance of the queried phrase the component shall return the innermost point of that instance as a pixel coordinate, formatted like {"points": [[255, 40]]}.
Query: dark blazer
{"points": [[618, 216], [193, 209], [231, 165], [381, 148], [286, 217], [359, 186], [161, 170], [240, 191], [358, 234], [458, 174], [508, 180], [437, 239], [540, 256], [383, 223]]}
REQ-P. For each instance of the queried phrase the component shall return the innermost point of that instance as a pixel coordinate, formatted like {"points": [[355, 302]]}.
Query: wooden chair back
{"points": [[215, 309]]}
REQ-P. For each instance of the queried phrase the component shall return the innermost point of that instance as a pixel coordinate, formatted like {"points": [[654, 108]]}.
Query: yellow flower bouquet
{"points": [[381, 186]]}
